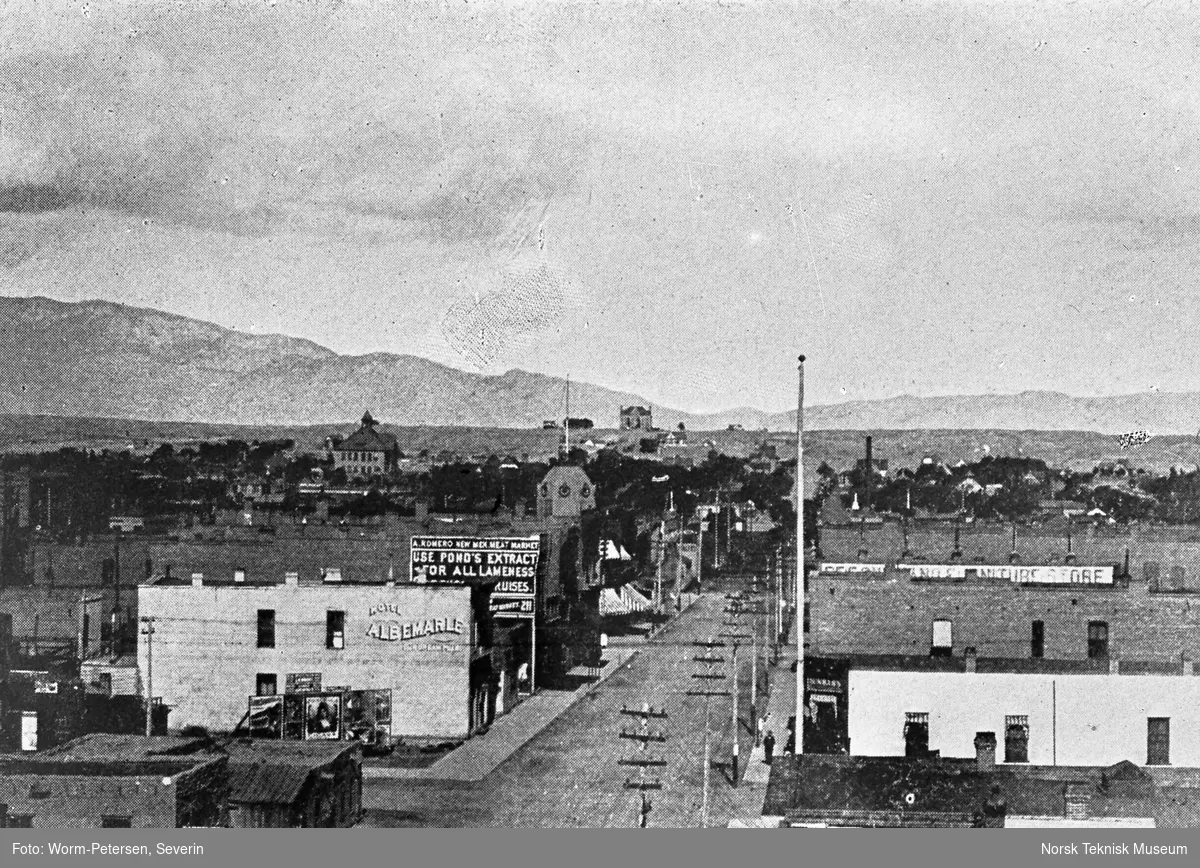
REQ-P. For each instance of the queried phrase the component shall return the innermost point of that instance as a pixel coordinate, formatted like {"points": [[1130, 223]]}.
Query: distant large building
{"points": [[566, 492], [366, 452], [636, 419]]}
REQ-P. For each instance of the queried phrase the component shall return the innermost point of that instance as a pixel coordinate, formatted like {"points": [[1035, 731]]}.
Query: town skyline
{"points": [[571, 192]]}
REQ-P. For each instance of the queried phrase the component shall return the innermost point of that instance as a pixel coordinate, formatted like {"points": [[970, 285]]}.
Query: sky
{"points": [[673, 199]]}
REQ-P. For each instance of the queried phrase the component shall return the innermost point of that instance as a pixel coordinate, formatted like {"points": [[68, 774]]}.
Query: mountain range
{"points": [[102, 359]]}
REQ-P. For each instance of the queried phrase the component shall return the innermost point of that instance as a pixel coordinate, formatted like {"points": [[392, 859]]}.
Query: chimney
{"points": [[1189, 667], [969, 659], [291, 579], [197, 580], [985, 751], [1078, 798], [1114, 666]]}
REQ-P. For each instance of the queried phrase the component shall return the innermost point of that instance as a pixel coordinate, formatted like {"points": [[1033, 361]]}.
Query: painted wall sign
{"points": [[1027, 575], [1051, 575], [396, 631], [935, 571], [852, 568]]}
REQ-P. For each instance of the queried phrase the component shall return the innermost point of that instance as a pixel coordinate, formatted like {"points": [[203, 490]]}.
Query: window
{"points": [[20, 821], [1016, 738], [1158, 741], [916, 734], [943, 638], [1097, 639], [335, 629], [109, 821], [266, 628], [1037, 643], [266, 684]]}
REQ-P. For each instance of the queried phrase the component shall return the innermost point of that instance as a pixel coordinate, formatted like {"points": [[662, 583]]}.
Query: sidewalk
{"points": [[478, 756], [781, 705]]}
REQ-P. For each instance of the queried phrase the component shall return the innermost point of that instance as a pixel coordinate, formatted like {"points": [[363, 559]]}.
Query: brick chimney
{"points": [[197, 580], [1189, 667], [1114, 666], [969, 659], [1078, 797], [985, 751], [291, 579]]}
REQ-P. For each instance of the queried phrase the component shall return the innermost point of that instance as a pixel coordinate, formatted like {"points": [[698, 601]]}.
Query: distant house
{"points": [[636, 419], [367, 452], [294, 784]]}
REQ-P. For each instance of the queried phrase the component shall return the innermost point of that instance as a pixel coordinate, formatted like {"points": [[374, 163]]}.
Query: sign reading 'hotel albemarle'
{"points": [[462, 560]]}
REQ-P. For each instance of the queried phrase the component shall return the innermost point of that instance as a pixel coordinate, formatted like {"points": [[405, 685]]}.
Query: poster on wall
{"points": [[367, 716], [459, 560], [322, 716], [266, 717], [302, 682]]}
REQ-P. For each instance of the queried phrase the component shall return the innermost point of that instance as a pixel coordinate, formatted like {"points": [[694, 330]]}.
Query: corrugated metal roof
{"points": [[266, 783], [310, 754]]}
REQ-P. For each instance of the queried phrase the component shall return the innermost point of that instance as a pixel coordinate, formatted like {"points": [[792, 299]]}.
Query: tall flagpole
{"points": [[798, 623]]}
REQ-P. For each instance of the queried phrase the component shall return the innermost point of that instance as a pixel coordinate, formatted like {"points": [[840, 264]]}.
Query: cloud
{"points": [[248, 120]]}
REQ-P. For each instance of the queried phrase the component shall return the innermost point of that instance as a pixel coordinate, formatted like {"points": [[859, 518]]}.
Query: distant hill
{"points": [[98, 359]]}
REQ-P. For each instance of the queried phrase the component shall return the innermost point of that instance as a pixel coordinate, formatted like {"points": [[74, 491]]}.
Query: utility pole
{"points": [[679, 576], [148, 632], [736, 638], [729, 528], [707, 676], [757, 608], [798, 627], [642, 761], [662, 543], [84, 600]]}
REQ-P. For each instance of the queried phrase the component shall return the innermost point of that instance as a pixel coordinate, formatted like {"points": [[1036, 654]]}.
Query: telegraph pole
{"points": [[707, 676], [735, 610], [642, 761], [662, 544], [148, 632], [798, 626]]}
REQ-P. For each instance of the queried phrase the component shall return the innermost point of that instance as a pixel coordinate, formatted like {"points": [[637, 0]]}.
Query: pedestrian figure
{"points": [[769, 746]]}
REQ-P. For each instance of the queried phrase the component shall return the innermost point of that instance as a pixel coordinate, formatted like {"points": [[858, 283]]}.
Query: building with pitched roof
{"points": [[367, 452]]}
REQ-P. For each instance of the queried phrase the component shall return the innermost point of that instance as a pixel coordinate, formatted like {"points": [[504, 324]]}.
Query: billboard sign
{"points": [[323, 716], [509, 608], [514, 598], [266, 717], [460, 560]]}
